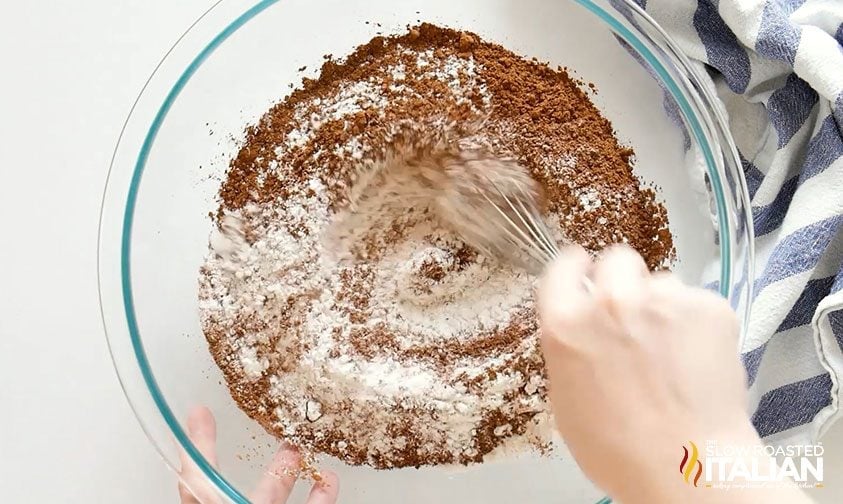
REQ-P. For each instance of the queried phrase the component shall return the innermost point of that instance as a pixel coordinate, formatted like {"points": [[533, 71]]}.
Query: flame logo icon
{"points": [[691, 463]]}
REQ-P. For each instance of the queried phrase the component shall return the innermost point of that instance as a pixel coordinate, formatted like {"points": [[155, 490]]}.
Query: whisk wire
{"points": [[523, 241], [536, 228], [528, 221], [536, 220], [530, 236]]}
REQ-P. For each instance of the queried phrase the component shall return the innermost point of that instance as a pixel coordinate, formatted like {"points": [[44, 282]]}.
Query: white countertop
{"points": [[70, 72]]}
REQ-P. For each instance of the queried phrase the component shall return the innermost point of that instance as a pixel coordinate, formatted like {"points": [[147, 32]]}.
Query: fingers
{"points": [[202, 431], [185, 497], [274, 487], [325, 491], [665, 283], [562, 295], [620, 275], [277, 483], [667, 289]]}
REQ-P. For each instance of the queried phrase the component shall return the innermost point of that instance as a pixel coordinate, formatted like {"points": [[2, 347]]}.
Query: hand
{"points": [[275, 485], [639, 365]]}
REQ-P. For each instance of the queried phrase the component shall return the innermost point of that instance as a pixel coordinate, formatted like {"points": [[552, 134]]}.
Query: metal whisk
{"points": [[522, 226], [492, 203]]}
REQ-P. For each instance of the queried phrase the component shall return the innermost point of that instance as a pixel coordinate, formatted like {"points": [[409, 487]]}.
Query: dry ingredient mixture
{"points": [[419, 351]]}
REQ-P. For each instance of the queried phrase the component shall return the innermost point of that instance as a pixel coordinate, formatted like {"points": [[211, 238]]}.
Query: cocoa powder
{"points": [[537, 113]]}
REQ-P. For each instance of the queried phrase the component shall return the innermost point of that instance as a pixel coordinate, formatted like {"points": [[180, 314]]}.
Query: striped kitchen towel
{"points": [[777, 65]]}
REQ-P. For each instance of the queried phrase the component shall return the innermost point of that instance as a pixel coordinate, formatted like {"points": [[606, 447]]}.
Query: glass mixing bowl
{"points": [[240, 57]]}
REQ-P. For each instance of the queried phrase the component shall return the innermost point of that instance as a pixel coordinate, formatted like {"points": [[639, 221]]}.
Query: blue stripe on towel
{"points": [[799, 251], [778, 38], [823, 149], [751, 361], [790, 106], [722, 48], [768, 218], [835, 320], [804, 308], [753, 176], [792, 405], [838, 283]]}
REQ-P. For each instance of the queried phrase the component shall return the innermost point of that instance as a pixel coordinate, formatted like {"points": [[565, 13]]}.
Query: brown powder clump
{"points": [[539, 114], [270, 345]]}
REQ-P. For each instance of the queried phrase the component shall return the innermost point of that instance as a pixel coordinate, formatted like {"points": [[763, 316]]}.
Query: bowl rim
{"points": [[693, 121]]}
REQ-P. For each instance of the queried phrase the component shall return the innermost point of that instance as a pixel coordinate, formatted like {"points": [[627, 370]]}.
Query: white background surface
{"points": [[70, 72]]}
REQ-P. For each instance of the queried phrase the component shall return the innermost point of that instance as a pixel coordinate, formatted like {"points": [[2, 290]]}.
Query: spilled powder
{"points": [[408, 348]]}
